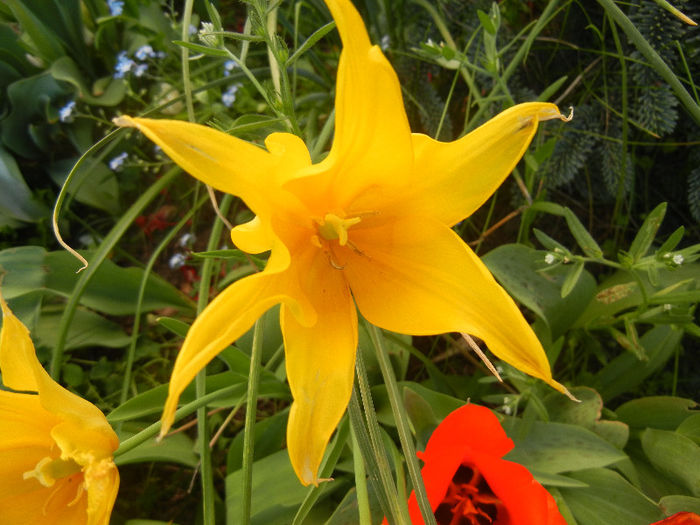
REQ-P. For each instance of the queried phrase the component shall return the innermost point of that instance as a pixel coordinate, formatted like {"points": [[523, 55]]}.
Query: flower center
{"points": [[48, 470], [469, 501], [333, 227]]}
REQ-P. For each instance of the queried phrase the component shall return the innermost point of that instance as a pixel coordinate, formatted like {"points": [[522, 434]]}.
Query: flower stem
{"points": [[250, 413], [209, 513], [409, 450], [360, 482]]}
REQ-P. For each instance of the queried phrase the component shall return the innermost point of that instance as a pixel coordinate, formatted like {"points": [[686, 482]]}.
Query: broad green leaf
{"points": [[67, 70], [556, 480], [16, 199], [647, 233], [520, 270], [270, 436], [625, 372], [558, 447], [608, 499], [421, 415], [276, 492], [151, 402], [661, 412], [87, 329], [674, 455], [690, 428], [112, 290], [43, 39], [676, 503], [177, 448]]}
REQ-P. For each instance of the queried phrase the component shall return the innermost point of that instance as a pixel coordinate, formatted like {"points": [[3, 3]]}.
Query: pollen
{"points": [[333, 227]]}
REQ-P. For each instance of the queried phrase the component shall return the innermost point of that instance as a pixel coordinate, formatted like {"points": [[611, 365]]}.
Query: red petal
{"points": [[681, 518]]}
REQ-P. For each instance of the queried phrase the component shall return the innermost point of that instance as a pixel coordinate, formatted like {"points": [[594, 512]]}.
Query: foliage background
{"points": [[615, 307]]}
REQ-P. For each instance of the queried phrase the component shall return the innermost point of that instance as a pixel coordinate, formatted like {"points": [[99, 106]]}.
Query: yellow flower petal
{"points": [[416, 276], [320, 364], [224, 162], [229, 316], [372, 143], [452, 179], [18, 361]]}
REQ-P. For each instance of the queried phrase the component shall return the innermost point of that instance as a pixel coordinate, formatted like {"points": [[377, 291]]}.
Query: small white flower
{"points": [[65, 114], [667, 307], [507, 410], [206, 36], [229, 96], [144, 52], [178, 260], [549, 258], [117, 162], [678, 259], [186, 240]]}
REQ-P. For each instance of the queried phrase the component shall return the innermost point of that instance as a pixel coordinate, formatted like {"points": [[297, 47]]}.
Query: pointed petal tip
{"points": [[124, 121], [561, 388], [553, 113]]}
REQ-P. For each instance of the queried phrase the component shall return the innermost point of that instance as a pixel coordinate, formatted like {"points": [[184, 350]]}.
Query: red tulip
{"points": [[468, 483], [681, 518]]}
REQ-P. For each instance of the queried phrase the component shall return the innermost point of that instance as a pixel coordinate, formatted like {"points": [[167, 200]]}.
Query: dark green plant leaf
{"points": [[675, 456], [660, 412]]}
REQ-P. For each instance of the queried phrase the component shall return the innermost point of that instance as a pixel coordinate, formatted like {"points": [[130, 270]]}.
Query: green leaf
{"points": [[676, 503], [87, 329], [309, 42], [16, 199], [608, 499], [517, 268], [204, 50], [647, 233], [661, 412], [276, 491], [45, 42], [675, 456], [94, 184], [556, 480], [559, 447], [67, 70], [670, 243], [584, 239], [572, 278], [421, 416], [690, 428], [112, 290], [177, 448]]}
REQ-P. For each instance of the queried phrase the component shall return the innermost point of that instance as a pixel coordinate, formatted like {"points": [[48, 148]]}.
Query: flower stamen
{"points": [[334, 228]]}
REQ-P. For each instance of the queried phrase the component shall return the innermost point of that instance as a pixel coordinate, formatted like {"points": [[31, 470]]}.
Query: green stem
{"points": [[398, 509], [409, 450], [250, 413], [139, 300], [655, 60], [185, 410], [207, 472], [185, 58], [360, 483]]}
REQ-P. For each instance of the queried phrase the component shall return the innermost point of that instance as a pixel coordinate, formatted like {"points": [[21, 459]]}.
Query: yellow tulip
{"points": [[55, 448], [367, 228]]}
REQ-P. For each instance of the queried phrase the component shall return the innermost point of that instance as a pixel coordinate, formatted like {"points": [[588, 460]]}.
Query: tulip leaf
{"points": [[112, 290], [177, 448], [276, 491], [519, 269], [559, 447], [675, 456], [678, 503], [662, 412], [607, 499], [87, 329], [690, 428]]}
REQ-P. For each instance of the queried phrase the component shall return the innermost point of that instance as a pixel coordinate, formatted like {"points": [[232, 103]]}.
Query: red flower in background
{"points": [[681, 518], [469, 484]]}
